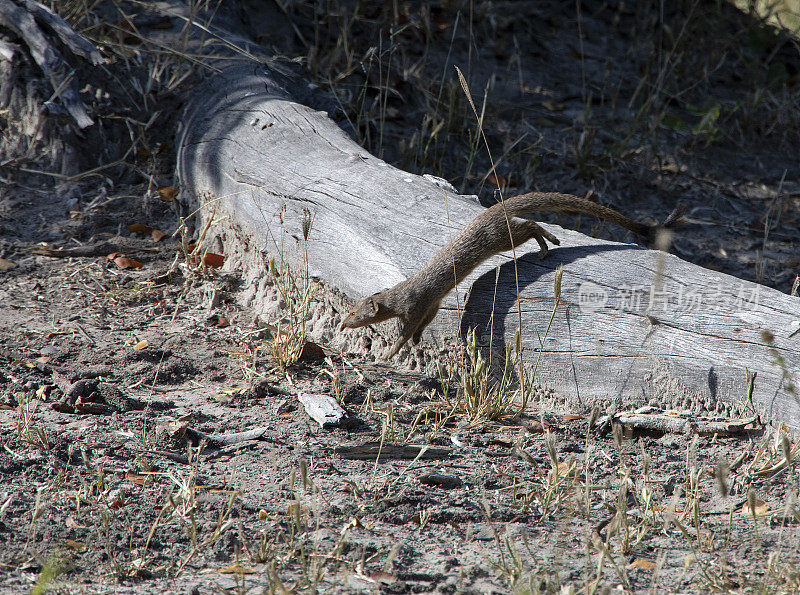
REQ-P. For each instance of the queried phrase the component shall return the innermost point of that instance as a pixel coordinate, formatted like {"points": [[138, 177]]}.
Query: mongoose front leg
{"points": [[406, 332], [431, 314]]}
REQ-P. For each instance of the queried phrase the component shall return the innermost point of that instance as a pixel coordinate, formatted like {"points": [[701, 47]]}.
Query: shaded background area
{"points": [[639, 105]]}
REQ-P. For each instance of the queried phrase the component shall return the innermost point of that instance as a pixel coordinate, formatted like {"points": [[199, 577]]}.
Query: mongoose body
{"points": [[416, 300]]}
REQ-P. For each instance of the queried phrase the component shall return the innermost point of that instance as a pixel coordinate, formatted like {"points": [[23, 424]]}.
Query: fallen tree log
{"points": [[633, 325]]}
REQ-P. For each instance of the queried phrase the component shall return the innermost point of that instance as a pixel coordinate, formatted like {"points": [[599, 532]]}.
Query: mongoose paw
{"points": [[550, 238], [392, 351]]}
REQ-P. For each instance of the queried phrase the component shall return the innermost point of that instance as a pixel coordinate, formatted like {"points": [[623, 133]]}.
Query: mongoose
{"points": [[415, 301]]}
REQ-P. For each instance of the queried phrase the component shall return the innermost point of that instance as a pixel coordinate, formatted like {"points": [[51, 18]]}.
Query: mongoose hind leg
{"points": [[523, 230], [540, 234]]}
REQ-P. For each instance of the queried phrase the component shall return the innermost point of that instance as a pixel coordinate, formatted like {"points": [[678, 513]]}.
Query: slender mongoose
{"points": [[415, 301]]}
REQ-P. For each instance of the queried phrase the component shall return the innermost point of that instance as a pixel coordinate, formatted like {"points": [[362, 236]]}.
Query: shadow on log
{"points": [[256, 152]]}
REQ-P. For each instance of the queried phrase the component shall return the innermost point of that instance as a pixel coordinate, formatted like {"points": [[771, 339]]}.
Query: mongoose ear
{"points": [[374, 305]]}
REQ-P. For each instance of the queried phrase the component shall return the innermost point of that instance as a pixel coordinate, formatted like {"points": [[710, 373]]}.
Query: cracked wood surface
{"points": [[254, 148]]}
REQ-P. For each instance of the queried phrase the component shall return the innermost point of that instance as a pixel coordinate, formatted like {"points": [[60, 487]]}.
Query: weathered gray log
{"points": [[257, 155]]}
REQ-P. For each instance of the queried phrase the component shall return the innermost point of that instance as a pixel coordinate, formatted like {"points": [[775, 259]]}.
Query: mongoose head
{"points": [[368, 311]]}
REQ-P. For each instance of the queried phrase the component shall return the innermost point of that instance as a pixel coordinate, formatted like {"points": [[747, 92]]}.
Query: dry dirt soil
{"points": [[111, 377]]}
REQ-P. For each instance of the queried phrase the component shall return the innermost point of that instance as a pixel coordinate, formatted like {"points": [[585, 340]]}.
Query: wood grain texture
{"points": [[255, 149]]}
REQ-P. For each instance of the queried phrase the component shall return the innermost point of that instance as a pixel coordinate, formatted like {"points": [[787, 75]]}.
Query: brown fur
{"points": [[416, 300]]}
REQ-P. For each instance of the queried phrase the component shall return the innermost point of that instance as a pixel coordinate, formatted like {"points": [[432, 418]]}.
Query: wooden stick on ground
{"points": [[22, 21]]}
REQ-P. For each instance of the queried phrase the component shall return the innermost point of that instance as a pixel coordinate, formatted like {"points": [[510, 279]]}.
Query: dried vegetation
{"points": [[451, 486]]}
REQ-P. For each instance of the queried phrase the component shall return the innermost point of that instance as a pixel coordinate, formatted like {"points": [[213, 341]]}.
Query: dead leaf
{"points": [[43, 359], [553, 106], [158, 235], [353, 523], [216, 489], [311, 352], [236, 569], [139, 228], [535, 427], [440, 21], [6, 264], [496, 179], [213, 260], [223, 322], [177, 428], [642, 563], [565, 467], [123, 262], [167, 193], [569, 417], [380, 576], [760, 507], [546, 122], [141, 345], [140, 480], [73, 524], [295, 508], [75, 546]]}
